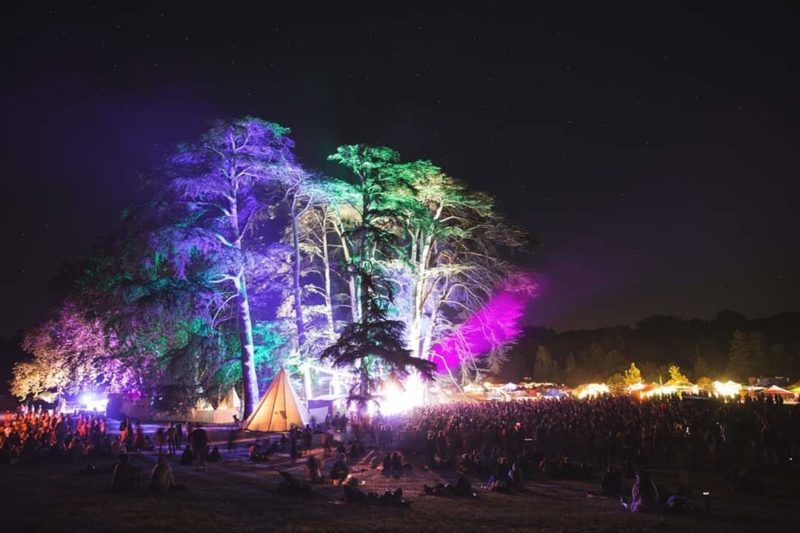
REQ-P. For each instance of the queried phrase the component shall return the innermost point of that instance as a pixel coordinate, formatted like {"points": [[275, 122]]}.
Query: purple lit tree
{"points": [[70, 355], [224, 181]]}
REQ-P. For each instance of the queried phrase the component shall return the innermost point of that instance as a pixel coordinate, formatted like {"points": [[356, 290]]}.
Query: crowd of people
{"points": [[509, 441], [502, 442], [43, 436]]}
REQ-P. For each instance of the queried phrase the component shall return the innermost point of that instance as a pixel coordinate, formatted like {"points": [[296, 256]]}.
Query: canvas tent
{"points": [[279, 408], [778, 391]]}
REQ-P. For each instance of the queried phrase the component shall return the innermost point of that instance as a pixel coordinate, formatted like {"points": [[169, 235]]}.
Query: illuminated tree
{"points": [[675, 376], [375, 347], [186, 289], [632, 376], [451, 266], [222, 180], [70, 355], [616, 383], [374, 344], [705, 383]]}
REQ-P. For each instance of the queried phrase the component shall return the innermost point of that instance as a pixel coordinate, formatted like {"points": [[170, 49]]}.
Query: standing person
{"points": [[172, 441], [160, 439], [138, 438], [232, 439], [178, 435], [124, 427], [200, 444], [293, 447]]}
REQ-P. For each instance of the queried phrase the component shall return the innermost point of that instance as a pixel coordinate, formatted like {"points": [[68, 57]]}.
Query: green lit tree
{"points": [[375, 345], [450, 263]]}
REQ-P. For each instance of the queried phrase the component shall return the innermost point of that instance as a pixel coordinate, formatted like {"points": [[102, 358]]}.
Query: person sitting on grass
{"points": [[644, 494], [148, 445], [187, 456], [515, 480], [499, 480], [215, 456], [161, 478], [255, 455], [397, 464], [126, 476], [356, 447], [313, 474], [339, 471]]}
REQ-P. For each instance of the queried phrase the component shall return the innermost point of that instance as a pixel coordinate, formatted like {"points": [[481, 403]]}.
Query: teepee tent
{"points": [[231, 401], [279, 408]]}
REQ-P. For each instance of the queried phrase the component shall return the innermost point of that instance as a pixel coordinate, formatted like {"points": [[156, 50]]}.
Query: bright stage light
{"points": [[91, 402], [593, 389], [664, 390], [730, 389], [396, 398]]}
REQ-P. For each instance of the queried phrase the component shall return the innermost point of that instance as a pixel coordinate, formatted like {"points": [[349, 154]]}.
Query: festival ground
{"points": [[238, 495]]}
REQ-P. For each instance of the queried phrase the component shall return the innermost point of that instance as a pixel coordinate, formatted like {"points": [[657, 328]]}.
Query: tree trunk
{"points": [[307, 384], [249, 379], [351, 282], [327, 273], [418, 300], [248, 358], [298, 304]]}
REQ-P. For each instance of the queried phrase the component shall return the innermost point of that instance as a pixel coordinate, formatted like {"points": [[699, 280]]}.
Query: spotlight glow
{"points": [[398, 397], [664, 390], [91, 402], [729, 389], [497, 323], [593, 390]]}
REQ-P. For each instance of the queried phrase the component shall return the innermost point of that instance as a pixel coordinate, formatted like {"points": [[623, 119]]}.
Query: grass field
{"points": [[237, 495]]}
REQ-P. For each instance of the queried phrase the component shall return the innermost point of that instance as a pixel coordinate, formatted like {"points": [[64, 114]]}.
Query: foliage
{"points": [[675, 376], [225, 181], [616, 383], [70, 355], [361, 342], [198, 292], [544, 368], [748, 352], [712, 348], [705, 383], [632, 376]]}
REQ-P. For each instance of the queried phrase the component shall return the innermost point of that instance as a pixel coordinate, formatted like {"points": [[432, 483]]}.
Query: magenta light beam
{"points": [[494, 325]]}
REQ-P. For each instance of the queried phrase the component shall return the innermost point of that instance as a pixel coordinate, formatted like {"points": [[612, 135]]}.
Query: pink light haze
{"points": [[496, 324]]}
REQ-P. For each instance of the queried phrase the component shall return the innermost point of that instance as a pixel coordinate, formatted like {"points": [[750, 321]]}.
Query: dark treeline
{"points": [[728, 346]]}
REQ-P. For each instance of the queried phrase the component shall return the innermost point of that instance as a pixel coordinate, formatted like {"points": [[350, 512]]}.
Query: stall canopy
{"points": [[778, 391], [279, 408]]}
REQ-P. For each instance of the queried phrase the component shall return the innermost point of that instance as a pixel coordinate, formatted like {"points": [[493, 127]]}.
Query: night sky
{"points": [[651, 149]]}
